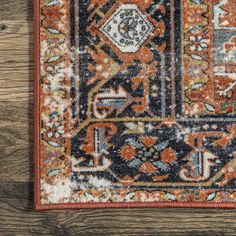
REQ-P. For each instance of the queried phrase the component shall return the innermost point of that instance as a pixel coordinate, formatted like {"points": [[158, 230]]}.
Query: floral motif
{"points": [[55, 130], [148, 155], [198, 43]]}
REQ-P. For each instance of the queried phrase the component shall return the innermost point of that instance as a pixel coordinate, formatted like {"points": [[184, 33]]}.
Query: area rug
{"points": [[135, 103]]}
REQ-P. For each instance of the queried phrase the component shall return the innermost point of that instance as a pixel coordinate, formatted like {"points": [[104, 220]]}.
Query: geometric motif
{"points": [[127, 28], [209, 58], [137, 103]]}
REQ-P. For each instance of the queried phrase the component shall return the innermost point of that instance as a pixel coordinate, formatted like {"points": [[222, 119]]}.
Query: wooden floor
{"points": [[17, 216]]}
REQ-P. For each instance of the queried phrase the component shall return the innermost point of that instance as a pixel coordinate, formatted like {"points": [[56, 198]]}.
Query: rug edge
{"points": [[36, 101], [39, 207]]}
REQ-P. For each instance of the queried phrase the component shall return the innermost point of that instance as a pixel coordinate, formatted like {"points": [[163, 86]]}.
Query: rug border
{"points": [[36, 102], [40, 207]]}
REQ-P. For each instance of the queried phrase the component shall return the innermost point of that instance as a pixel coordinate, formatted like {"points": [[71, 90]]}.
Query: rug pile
{"points": [[135, 103]]}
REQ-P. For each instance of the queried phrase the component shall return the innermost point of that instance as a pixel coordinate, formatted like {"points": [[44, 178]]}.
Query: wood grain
{"points": [[16, 9], [16, 61], [16, 211], [17, 216], [16, 141]]}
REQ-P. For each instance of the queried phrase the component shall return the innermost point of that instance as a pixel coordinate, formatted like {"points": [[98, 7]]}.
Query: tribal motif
{"points": [[137, 102]]}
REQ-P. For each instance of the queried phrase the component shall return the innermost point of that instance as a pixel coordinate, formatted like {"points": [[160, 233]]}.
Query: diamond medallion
{"points": [[127, 28]]}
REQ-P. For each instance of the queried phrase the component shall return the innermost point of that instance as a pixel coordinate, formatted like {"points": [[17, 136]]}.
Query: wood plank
{"points": [[16, 61], [16, 9], [16, 141], [16, 204], [17, 215]]}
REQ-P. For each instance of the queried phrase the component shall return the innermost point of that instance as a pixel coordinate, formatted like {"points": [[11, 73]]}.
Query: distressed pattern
{"points": [[137, 101]]}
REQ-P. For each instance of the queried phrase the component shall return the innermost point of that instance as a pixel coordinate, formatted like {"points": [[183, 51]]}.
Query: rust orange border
{"points": [[37, 204], [36, 101]]}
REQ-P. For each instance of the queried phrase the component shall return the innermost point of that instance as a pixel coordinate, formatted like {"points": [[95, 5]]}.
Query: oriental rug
{"points": [[135, 103]]}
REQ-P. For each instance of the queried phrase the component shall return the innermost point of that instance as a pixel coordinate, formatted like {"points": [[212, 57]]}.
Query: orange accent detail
{"points": [[159, 178], [168, 155], [128, 152], [148, 167], [148, 141]]}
